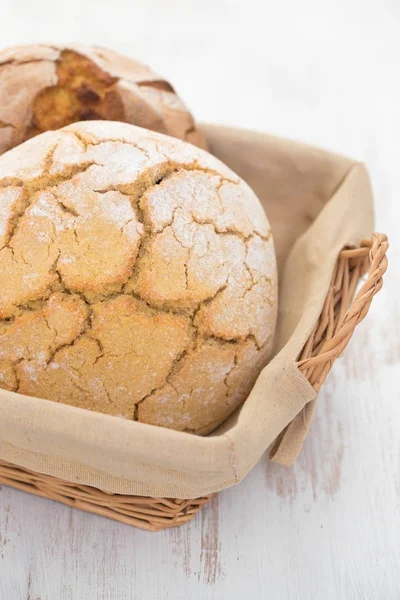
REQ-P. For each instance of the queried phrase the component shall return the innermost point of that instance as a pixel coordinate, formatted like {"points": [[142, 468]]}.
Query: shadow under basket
{"points": [[341, 312]]}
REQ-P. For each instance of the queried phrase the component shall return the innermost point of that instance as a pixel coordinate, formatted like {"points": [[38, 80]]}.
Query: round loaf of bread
{"points": [[137, 276], [47, 87]]}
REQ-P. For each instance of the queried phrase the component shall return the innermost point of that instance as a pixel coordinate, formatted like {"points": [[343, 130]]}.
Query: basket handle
{"points": [[339, 317]]}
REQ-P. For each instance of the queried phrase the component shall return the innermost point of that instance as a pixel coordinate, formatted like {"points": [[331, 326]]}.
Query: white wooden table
{"points": [[328, 528]]}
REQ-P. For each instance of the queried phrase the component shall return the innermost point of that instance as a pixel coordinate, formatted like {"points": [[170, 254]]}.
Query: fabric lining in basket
{"points": [[318, 203]]}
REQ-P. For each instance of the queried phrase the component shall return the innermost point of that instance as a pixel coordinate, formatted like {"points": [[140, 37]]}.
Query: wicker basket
{"points": [[331, 334]]}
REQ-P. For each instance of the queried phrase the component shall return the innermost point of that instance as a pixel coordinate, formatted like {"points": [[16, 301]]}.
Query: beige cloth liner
{"points": [[317, 203]]}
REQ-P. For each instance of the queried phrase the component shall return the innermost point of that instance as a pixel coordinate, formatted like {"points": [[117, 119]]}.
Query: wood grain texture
{"points": [[329, 527]]}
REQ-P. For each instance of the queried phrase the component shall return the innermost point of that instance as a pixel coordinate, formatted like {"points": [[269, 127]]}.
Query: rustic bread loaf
{"points": [[137, 276], [48, 87]]}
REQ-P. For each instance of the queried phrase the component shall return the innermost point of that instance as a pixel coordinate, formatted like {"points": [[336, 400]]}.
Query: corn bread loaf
{"points": [[47, 87], [137, 276]]}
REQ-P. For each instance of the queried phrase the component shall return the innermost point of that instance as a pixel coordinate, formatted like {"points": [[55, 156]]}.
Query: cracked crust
{"points": [[47, 87], [137, 276]]}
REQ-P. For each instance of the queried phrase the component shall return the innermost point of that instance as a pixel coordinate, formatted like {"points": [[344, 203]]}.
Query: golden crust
{"points": [[47, 87], [137, 276]]}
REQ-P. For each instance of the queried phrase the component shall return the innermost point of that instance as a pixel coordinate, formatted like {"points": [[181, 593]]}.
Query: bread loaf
{"points": [[137, 276], [48, 87]]}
